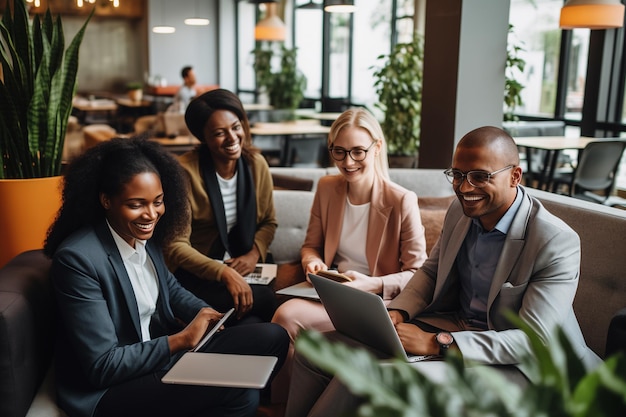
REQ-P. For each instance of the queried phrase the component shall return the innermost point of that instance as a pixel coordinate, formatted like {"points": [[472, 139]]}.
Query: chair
{"points": [[97, 133], [595, 173]]}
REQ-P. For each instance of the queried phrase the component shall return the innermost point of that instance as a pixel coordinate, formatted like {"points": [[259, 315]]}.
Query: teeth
{"points": [[144, 226], [233, 147], [472, 197]]}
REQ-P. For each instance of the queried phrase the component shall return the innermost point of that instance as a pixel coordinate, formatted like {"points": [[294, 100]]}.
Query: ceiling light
{"points": [[163, 28], [592, 14], [339, 6], [310, 5], [197, 21], [271, 28]]}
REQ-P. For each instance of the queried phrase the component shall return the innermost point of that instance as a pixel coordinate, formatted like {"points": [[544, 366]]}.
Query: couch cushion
{"points": [[292, 213], [601, 289], [26, 330], [433, 211]]}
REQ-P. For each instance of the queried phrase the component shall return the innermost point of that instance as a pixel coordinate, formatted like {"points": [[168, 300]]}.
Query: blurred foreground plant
{"points": [[395, 389]]}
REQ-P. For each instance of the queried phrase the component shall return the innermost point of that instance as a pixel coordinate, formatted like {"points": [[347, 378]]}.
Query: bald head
{"points": [[494, 139]]}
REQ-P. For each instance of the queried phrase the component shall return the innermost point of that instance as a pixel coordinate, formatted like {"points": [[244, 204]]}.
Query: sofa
{"points": [[27, 313]]}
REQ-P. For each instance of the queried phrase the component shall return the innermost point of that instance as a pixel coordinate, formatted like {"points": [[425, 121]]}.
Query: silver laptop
{"points": [[361, 316], [301, 289], [263, 274], [220, 369]]}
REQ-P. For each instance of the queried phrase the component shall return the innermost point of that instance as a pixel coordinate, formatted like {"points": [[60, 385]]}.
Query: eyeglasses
{"points": [[357, 154], [477, 179]]}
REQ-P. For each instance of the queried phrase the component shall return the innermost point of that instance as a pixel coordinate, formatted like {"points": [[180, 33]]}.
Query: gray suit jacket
{"points": [[536, 277], [99, 335]]}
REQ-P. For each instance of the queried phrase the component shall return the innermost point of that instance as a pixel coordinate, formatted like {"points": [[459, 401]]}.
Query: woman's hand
{"points": [[244, 264], [416, 341], [364, 282], [313, 266], [193, 332], [239, 289]]}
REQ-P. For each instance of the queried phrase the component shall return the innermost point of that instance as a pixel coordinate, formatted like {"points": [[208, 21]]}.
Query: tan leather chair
{"points": [[97, 133]]}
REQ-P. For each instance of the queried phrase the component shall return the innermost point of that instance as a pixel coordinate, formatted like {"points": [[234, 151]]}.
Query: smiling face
{"points": [[135, 211], [352, 138], [224, 135], [487, 204]]}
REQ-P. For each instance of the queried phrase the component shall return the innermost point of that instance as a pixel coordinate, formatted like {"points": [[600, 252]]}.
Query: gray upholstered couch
{"points": [[26, 313]]}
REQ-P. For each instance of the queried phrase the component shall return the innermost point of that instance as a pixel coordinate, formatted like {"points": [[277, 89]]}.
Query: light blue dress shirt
{"points": [[476, 264]]}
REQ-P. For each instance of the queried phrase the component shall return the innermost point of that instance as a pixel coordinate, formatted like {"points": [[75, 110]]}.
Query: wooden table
{"points": [[288, 131], [83, 106], [179, 144], [553, 145]]}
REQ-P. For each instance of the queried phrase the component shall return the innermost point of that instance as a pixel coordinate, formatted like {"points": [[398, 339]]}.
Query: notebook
{"points": [[263, 274], [220, 369], [361, 316]]}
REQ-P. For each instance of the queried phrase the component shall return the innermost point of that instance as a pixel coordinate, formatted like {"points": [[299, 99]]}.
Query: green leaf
{"points": [[36, 93]]}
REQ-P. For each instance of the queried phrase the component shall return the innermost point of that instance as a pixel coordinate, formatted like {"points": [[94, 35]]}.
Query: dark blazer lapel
{"points": [[376, 225], [213, 190], [117, 264], [163, 303]]}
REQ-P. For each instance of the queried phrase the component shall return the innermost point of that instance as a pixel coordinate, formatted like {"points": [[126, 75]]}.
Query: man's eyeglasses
{"points": [[357, 154], [477, 179]]}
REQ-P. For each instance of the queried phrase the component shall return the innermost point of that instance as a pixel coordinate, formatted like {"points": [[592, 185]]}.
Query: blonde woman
{"points": [[361, 224]]}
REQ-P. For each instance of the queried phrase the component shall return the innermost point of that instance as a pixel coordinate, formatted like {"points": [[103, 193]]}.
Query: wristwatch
{"points": [[444, 340]]}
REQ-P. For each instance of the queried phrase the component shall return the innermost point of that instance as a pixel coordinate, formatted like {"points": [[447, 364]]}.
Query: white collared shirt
{"points": [[143, 279]]}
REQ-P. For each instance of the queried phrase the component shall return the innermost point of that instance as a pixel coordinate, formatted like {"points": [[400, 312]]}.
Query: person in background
{"points": [[187, 91], [123, 318], [230, 195], [500, 251], [361, 224]]}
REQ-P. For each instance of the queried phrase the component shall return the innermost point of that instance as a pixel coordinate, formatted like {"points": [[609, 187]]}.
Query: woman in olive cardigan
{"points": [[233, 219]]}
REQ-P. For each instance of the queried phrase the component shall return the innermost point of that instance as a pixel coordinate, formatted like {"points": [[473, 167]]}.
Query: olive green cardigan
{"points": [[188, 250]]}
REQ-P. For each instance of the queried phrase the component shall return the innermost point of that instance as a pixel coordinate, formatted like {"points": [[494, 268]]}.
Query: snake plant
{"points": [[38, 82]]}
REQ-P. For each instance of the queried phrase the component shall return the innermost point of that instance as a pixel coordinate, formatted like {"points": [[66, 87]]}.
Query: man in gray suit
{"points": [[500, 250]]}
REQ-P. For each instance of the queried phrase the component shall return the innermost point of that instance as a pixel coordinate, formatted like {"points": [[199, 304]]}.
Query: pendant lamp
{"points": [[310, 5], [592, 14], [196, 20], [339, 6], [163, 28], [271, 28]]}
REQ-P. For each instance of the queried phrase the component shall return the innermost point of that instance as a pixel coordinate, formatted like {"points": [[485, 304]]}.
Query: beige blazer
{"points": [[536, 278], [395, 245]]}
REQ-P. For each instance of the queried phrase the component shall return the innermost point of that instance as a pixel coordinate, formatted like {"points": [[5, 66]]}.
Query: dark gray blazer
{"points": [[99, 335]]}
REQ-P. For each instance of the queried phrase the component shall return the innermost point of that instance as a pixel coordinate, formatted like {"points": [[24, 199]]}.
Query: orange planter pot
{"points": [[27, 208]]}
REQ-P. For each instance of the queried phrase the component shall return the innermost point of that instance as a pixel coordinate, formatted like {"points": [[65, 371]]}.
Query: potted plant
{"points": [[36, 90], [135, 90], [561, 386], [512, 87], [399, 88], [284, 86]]}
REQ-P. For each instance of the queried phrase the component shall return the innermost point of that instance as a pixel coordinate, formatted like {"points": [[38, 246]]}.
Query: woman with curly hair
{"points": [[232, 210], [123, 318]]}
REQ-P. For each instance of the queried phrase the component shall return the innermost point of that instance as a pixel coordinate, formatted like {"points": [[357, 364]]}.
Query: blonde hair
{"points": [[361, 118]]}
